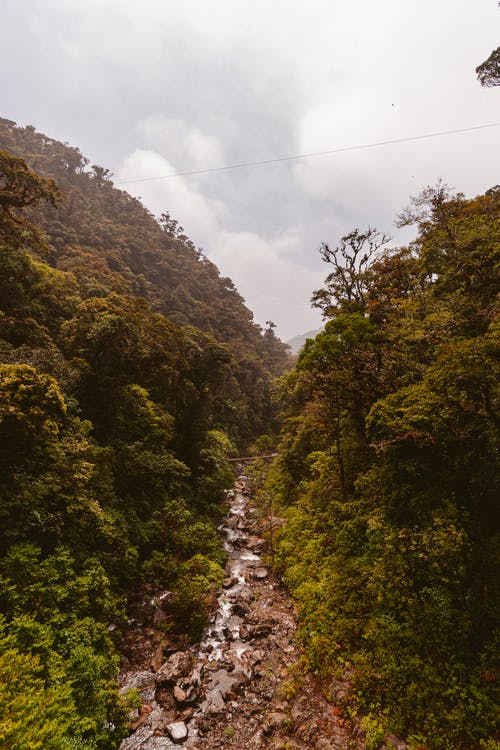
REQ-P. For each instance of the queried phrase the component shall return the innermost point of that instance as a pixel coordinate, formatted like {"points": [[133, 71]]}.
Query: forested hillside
{"points": [[117, 416], [110, 242], [388, 474]]}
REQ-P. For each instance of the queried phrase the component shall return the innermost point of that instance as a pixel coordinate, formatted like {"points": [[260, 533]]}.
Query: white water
{"points": [[223, 650]]}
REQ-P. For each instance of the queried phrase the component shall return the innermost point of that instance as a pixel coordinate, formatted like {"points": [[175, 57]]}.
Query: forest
{"points": [[130, 373], [388, 476]]}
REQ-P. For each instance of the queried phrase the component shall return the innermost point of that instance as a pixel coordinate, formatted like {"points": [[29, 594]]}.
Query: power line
{"points": [[262, 162]]}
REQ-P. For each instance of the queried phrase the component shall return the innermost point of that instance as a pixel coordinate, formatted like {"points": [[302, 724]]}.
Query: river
{"points": [[240, 686], [224, 659]]}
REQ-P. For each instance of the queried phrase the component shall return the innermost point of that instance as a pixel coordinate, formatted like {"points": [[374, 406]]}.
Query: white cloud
{"points": [[159, 86], [265, 270], [188, 206], [189, 148]]}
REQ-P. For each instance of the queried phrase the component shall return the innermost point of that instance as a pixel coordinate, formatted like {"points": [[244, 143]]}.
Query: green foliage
{"points": [[198, 580], [374, 733], [109, 242], [20, 188], [114, 436], [26, 701], [388, 473]]}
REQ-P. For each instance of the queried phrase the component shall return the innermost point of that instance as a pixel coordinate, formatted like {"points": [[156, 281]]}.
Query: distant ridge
{"points": [[297, 342]]}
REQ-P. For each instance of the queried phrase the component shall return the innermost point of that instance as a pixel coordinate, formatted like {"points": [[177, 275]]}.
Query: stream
{"points": [[204, 681], [240, 687]]}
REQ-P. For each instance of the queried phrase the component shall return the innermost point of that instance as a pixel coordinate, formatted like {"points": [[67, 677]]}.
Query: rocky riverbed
{"points": [[238, 688]]}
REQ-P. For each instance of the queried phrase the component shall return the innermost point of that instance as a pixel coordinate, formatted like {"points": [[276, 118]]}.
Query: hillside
{"points": [[388, 477], [111, 243], [297, 342], [116, 425]]}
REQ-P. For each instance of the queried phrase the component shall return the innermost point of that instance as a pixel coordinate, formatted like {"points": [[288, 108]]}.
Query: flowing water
{"points": [[223, 659]]}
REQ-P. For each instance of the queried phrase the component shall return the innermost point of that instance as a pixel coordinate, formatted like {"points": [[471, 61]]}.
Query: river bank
{"points": [[240, 686]]}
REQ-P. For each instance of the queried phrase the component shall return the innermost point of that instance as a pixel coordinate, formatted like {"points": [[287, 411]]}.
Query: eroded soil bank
{"points": [[238, 688]]}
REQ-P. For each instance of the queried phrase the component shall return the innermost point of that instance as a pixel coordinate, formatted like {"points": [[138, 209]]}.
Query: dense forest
{"points": [[388, 477], [130, 371]]}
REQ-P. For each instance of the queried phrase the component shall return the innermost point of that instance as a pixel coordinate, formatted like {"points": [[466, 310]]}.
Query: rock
{"points": [[244, 634], [187, 714], [179, 694], [223, 686], [157, 658], [213, 703], [144, 712], [196, 675], [260, 631], [177, 731], [239, 610], [256, 656], [178, 665], [260, 574], [258, 739], [226, 682], [255, 544], [138, 681]]}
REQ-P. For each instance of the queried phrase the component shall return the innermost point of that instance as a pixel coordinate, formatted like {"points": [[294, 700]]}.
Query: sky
{"points": [[153, 87]]}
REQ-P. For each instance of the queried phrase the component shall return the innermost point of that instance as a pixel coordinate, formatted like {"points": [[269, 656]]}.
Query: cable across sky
{"points": [[262, 162]]}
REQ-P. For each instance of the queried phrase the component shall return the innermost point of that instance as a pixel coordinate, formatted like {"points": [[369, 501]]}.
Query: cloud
{"points": [[193, 210], [165, 85], [190, 148], [262, 268]]}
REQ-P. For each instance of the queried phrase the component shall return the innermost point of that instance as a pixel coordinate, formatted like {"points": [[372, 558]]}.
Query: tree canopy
{"points": [[388, 476], [117, 417]]}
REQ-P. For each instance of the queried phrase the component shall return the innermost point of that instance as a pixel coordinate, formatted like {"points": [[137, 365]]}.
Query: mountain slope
{"points": [[111, 243], [116, 424], [297, 342]]}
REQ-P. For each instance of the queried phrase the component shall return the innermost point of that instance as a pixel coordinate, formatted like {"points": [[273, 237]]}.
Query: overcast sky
{"points": [[150, 87]]}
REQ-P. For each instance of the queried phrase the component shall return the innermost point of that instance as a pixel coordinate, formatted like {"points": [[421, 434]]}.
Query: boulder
{"points": [[177, 731], [176, 667]]}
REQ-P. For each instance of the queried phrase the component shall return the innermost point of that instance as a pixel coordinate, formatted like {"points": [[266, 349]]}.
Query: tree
{"points": [[387, 468], [348, 284], [172, 227], [20, 188], [32, 714], [488, 72], [277, 354]]}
